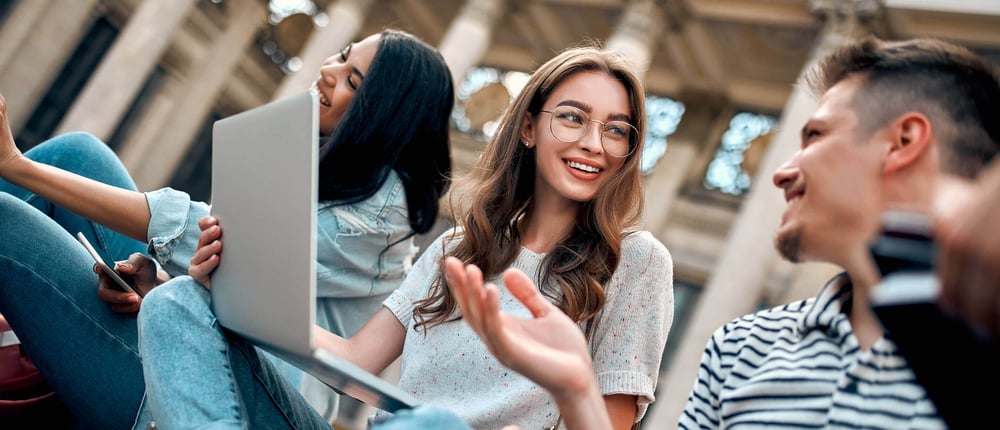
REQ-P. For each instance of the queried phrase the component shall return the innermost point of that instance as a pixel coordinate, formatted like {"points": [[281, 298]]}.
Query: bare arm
{"points": [[373, 348], [121, 210]]}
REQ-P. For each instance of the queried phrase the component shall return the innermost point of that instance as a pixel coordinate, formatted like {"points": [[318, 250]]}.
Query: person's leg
{"points": [[48, 294], [422, 417], [199, 375], [85, 155]]}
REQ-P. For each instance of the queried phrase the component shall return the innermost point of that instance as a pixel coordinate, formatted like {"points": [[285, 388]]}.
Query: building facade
{"points": [[151, 76]]}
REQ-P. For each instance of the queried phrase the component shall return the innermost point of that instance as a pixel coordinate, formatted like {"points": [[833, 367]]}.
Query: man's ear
{"points": [[910, 137], [528, 130]]}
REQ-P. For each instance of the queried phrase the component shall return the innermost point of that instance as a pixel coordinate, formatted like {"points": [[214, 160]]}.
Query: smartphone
{"points": [[945, 354], [124, 286]]}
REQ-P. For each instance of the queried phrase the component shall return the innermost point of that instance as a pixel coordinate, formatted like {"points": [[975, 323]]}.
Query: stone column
{"points": [[742, 268], [346, 18], [641, 27], [637, 33], [663, 184], [469, 35], [24, 19], [110, 91], [35, 41], [201, 89]]}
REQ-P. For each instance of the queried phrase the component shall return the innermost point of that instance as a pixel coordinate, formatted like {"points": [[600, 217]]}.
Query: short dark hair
{"points": [[955, 88], [398, 120]]}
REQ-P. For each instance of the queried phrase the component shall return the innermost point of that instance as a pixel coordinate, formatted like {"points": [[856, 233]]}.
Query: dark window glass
{"points": [[67, 86]]}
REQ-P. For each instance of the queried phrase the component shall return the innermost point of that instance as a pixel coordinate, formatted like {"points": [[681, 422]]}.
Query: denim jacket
{"points": [[356, 268], [352, 257]]}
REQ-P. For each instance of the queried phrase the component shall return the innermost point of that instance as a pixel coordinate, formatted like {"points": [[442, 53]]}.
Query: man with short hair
{"points": [[900, 125]]}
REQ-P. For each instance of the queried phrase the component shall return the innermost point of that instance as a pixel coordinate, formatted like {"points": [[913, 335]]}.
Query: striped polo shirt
{"points": [[800, 366]]}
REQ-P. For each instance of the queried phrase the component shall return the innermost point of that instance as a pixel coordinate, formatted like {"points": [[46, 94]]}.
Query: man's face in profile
{"points": [[832, 184]]}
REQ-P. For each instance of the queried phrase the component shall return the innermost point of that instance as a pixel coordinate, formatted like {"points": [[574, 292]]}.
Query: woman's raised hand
{"points": [[9, 154], [549, 349], [206, 257]]}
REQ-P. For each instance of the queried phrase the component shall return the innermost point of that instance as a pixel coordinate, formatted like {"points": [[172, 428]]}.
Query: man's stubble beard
{"points": [[787, 242]]}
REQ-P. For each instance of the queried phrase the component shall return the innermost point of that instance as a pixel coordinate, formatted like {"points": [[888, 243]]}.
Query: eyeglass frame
{"points": [[631, 146]]}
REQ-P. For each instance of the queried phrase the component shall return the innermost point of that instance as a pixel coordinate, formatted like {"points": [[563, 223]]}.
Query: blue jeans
{"points": [[48, 290], [199, 375]]}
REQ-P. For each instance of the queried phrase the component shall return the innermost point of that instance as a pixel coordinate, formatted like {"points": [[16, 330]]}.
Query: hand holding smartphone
{"points": [[123, 286]]}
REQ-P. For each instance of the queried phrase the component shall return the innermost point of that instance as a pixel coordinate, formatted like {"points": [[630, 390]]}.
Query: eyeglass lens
{"points": [[570, 124]]}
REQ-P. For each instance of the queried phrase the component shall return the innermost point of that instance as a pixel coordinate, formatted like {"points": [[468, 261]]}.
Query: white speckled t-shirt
{"points": [[449, 366]]}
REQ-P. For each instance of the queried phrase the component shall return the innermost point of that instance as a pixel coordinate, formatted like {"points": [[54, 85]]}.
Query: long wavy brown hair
{"points": [[500, 193]]}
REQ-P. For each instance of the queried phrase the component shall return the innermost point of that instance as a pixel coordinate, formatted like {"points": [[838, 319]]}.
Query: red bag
{"points": [[25, 398]]}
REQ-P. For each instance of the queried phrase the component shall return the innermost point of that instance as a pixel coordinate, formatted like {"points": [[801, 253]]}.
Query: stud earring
{"points": [[526, 144]]}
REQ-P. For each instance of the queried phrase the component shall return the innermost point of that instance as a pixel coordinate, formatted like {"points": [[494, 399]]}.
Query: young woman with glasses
{"points": [[556, 194], [384, 164]]}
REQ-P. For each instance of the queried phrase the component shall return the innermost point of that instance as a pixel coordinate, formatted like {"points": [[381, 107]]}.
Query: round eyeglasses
{"points": [[570, 124]]}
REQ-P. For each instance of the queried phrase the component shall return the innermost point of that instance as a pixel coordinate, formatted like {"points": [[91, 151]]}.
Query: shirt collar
{"points": [[828, 310]]}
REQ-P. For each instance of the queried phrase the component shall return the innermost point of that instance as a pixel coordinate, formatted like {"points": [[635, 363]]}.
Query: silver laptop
{"points": [[264, 182]]}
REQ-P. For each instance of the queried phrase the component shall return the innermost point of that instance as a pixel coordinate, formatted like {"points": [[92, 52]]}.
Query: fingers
{"points": [[467, 290], [492, 323], [209, 241], [474, 287], [201, 271], [207, 221], [527, 293], [209, 232], [136, 265], [206, 257], [108, 292]]}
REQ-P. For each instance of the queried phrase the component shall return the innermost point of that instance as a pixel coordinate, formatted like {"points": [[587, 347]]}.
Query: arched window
{"points": [[726, 173], [482, 98], [662, 117], [289, 28]]}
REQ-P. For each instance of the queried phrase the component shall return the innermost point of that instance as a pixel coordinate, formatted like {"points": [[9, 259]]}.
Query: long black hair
{"points": [[398, 120]]}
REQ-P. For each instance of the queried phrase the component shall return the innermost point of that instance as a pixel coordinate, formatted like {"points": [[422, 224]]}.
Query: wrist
{"points": [[582, 407], [14, 168]]}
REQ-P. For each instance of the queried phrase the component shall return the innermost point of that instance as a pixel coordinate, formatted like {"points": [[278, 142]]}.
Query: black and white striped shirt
{"points": [[800, 366]]}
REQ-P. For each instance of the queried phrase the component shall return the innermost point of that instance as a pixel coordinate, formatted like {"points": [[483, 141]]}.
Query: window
{"points": [[726, 172], [685, 300], [662, 117], [282, 40], [5, 8], [138, 107], [194, 174], [68, 85], [482, 98]]}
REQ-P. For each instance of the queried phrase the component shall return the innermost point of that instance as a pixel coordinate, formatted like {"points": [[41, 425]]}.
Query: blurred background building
{"points": [[151, 76]]}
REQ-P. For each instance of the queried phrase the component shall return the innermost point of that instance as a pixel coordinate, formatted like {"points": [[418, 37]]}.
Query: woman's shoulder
{"points": [[640, 245], [445, 242]]}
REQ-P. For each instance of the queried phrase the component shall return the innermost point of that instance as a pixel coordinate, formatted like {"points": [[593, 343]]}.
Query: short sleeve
{"points": [[173, 228], [417, 283], [628, 342]]}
